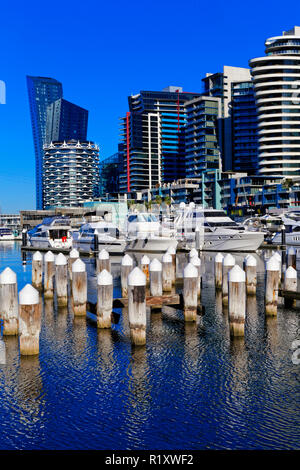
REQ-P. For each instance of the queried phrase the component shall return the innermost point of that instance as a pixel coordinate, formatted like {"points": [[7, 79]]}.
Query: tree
{"points": [[158, 200], [167, 200]]}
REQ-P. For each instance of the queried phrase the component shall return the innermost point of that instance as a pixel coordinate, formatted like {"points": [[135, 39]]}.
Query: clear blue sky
{"points": [[104, 51]]}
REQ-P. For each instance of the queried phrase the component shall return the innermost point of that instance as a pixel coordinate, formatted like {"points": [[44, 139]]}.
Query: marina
{"points": [[191, 384]]}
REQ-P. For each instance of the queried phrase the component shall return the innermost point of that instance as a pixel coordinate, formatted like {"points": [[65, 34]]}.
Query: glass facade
{"points": [[42, 91], [110, 169], [66, 121]]}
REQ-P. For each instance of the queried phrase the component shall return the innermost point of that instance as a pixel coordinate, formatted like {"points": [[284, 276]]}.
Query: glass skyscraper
{"points": [[66, 121], [42, 91]]}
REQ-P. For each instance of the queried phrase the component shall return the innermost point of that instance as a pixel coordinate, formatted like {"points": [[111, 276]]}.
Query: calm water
{"points": [[189, 388]]}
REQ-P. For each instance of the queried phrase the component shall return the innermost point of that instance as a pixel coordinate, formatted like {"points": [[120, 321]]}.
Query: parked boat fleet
{"points": [[211, 229]]}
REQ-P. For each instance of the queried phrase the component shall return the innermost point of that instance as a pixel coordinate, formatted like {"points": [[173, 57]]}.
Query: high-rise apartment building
{"points": [[42, 91], [220, 85], [202, 150], [70, 173], [154, 139], [244, 128], [65, 121], [276, 79]]}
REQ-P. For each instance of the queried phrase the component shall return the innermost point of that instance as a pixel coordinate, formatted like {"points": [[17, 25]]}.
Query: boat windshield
{"points": [[146, 218], [57, 234]]}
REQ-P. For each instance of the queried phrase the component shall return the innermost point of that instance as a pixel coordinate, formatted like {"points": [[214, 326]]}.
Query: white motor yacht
{"points": [[108, 237], [291, 221], [53, 232], [218, 232], [6, 234]]}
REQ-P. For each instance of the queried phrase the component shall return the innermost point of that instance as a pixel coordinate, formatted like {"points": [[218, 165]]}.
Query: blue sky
{"points": [[104, 51]]}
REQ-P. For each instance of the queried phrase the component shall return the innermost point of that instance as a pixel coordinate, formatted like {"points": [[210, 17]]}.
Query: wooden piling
{"points": [[155, 269], [61, 280], [103, 261], [237, 300], [126, 268], [104, 299], [145, 261], [172, 251], [137, 306], [29, 320], [167, 272], [196, 261], [79, 288], [228, 263], [9, 309], [251, 279], [272, 283], [193, 253], [190, 292], [291, 257], [290, 285], [49, 275], [37, 270], [73, 256], [218, 271]]}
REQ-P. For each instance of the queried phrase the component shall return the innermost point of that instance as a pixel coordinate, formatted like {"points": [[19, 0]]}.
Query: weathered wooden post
{"points": [[190, 292], [29, 320], [9, 309], [272, 282], [126, 267], [137, 306], [237, 300], [73, 256], [196, 261], [155, 278], [79, 287], [251, 280], [103, 261], [49, 275], [61, 280], [37, 270], [104, 299], [145, 261], [280, 260], [291, 257], [167, 272], [228, 263], [290, 284], [193, 253], [172, 251], [218, 270]]}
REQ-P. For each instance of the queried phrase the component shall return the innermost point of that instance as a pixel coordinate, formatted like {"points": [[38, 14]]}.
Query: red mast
{"points": [[128, 151], [178, 120]]}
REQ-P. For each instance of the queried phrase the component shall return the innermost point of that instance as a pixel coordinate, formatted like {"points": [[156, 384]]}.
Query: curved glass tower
{"points": [[276, 80]]}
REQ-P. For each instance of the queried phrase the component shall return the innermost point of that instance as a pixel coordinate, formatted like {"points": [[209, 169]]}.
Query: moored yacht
{"points": [[6, 234], [53, 232], [218, 232]]}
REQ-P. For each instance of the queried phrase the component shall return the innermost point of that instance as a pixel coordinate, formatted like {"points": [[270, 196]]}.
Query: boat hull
{"points": [[245, 241], [292, 238]]}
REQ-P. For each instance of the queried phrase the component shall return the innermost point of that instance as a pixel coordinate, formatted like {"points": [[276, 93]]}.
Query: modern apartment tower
{"points": [[202, 150], [42, 91], [244, 128], [220, 85], [71, 173], [276, 80], [65, 121], [153, 138]]}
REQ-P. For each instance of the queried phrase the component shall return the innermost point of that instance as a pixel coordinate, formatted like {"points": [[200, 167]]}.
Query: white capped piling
{"points": [[172, 251], [29, 320], [278, 257], [272, 282], [103, 261], [167, 272], [228, 263], [155, 270], [73, 256], [196, 261], [79, 288], [145, 261], [237, 300], [37, 270], [218, 270], [126, 267], [49, 275], [190, 292], [251, 279], [291, 257], [193, 253], [104, 299], [137, 306], [9, 309], [61, 280], [290, 284]]}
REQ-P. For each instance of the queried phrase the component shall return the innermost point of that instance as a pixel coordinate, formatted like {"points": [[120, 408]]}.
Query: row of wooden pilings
{"points": [[236, 283], [23, 316]]}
